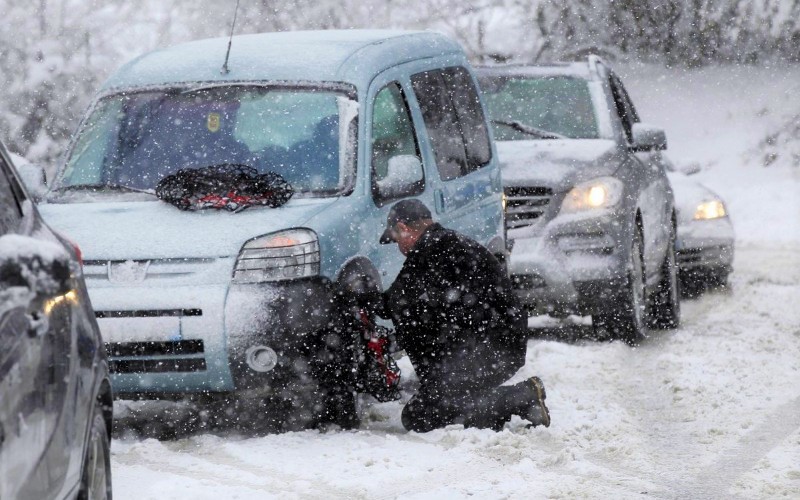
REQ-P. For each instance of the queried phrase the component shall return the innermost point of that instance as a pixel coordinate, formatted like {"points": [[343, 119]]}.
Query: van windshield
{"points": [[525, 108], [133, 140]]}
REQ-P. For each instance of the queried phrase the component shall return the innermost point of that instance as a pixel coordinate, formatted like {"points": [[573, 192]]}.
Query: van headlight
{"points": [[603, 192], [279, 256]]}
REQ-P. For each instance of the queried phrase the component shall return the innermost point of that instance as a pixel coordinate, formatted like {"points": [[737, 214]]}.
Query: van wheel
{"points": [[625, 318], [96, 475], [665, 307], [334, 361]]}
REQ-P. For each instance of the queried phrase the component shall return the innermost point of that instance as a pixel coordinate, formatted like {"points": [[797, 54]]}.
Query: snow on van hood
{"points": [[554, 163], [127, 230]]}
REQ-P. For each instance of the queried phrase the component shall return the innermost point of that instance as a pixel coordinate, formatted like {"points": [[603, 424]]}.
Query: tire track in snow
{"points": [[741, 458], [216, 460], [674, 448]]}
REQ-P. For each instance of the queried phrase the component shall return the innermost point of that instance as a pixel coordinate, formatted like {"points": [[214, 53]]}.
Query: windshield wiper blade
{"points": [[109, 187], [528, 130]]}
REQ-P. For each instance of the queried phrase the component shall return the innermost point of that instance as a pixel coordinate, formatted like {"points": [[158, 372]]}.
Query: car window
{"points": [[467, 105], [441, 122], [560, 105], [392, 129], [10, 213], [625, 109]]}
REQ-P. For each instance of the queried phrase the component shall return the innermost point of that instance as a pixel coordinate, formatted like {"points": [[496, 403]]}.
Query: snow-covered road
{"points": [[710, 410]]}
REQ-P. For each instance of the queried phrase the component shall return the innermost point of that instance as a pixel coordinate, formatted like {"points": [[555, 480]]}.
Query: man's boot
{"points": [[528, 402]]}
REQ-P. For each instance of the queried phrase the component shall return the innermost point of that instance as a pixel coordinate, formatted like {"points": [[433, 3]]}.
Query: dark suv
{"points": [[55, 395], [588, 204]]}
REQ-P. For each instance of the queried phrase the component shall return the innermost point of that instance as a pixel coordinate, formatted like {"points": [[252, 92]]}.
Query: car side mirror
{"points": [[43, 267], [404, 175], [690, 168], [35, 180], [648, 138]]}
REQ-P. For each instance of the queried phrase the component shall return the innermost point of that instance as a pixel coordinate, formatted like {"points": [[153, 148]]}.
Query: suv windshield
{"points": [[525, 108], [133, 140]]}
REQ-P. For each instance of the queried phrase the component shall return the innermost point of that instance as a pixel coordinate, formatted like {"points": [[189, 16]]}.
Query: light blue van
{"points": [[216, 301]]}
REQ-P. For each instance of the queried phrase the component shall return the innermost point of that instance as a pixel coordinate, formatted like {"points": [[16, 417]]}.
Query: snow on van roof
{"points": [[351, 56], [574, 69]]}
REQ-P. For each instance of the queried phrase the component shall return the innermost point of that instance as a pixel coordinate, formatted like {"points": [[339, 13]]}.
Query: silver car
{"points": [[588, 204], [705, 233]]}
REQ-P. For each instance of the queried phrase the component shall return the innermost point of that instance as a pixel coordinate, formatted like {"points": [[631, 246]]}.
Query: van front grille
{"points": [[153, 348], [168, 352], [157, 365], [525, 204]]}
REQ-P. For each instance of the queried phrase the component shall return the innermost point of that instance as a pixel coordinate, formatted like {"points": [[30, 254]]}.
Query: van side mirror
{"points": [[35, 180], [404, 177], [648, 138]]}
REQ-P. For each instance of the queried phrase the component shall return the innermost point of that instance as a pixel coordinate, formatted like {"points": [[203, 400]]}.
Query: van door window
{"points": [[392, 136], [441, 122], [467, 104]]}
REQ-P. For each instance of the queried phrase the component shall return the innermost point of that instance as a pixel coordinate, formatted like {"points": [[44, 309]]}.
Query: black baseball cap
{"points": [[405, 211]]}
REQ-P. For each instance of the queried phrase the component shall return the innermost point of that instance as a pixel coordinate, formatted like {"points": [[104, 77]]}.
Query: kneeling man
{"points": [[461, 325]]}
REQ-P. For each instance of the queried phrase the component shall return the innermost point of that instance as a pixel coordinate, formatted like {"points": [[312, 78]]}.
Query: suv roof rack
{"points": [[595, 64]]}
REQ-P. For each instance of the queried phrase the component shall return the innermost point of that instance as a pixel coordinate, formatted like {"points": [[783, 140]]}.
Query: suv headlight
{"points": [[603, 192], [279, 256], [713, 209]]}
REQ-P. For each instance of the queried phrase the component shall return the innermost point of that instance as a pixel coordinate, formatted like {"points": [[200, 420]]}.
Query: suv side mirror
{"points": [[35, 180], [648, 138], [403, 177]]}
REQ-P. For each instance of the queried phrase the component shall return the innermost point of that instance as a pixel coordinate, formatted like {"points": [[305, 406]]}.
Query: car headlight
{"points": [[713, 209], [603, 192], [279, 256]]}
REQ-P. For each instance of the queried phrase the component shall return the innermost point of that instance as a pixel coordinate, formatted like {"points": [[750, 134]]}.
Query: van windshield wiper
{"points": [[105, 187], [528, 130]]}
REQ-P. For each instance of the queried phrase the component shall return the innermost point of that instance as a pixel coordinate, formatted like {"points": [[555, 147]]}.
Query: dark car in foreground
{"points": [[588, 204], [55, 394]]}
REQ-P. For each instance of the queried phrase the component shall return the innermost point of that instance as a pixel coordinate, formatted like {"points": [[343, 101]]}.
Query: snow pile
{"points": [[783, 146]]}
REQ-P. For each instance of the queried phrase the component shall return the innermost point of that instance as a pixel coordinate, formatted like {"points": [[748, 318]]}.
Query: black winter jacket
{"points": [[455, 313]]}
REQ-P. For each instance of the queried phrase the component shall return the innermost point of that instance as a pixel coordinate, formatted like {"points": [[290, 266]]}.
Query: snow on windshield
{"points": [[136, 139]]}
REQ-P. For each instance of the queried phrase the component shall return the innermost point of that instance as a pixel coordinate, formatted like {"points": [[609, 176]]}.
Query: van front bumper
{"points": [[169, 341]]}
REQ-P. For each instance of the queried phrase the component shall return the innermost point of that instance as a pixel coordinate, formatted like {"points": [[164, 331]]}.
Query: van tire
{"points": [[334, 360]]}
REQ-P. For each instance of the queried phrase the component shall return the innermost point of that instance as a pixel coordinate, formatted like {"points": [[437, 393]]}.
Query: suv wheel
{"points": [[96, 475], [665, 308], [625, 318]]}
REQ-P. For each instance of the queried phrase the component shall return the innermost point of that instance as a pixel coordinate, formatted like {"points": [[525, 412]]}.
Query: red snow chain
{"points": [[379, 374], [227, 186]]}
